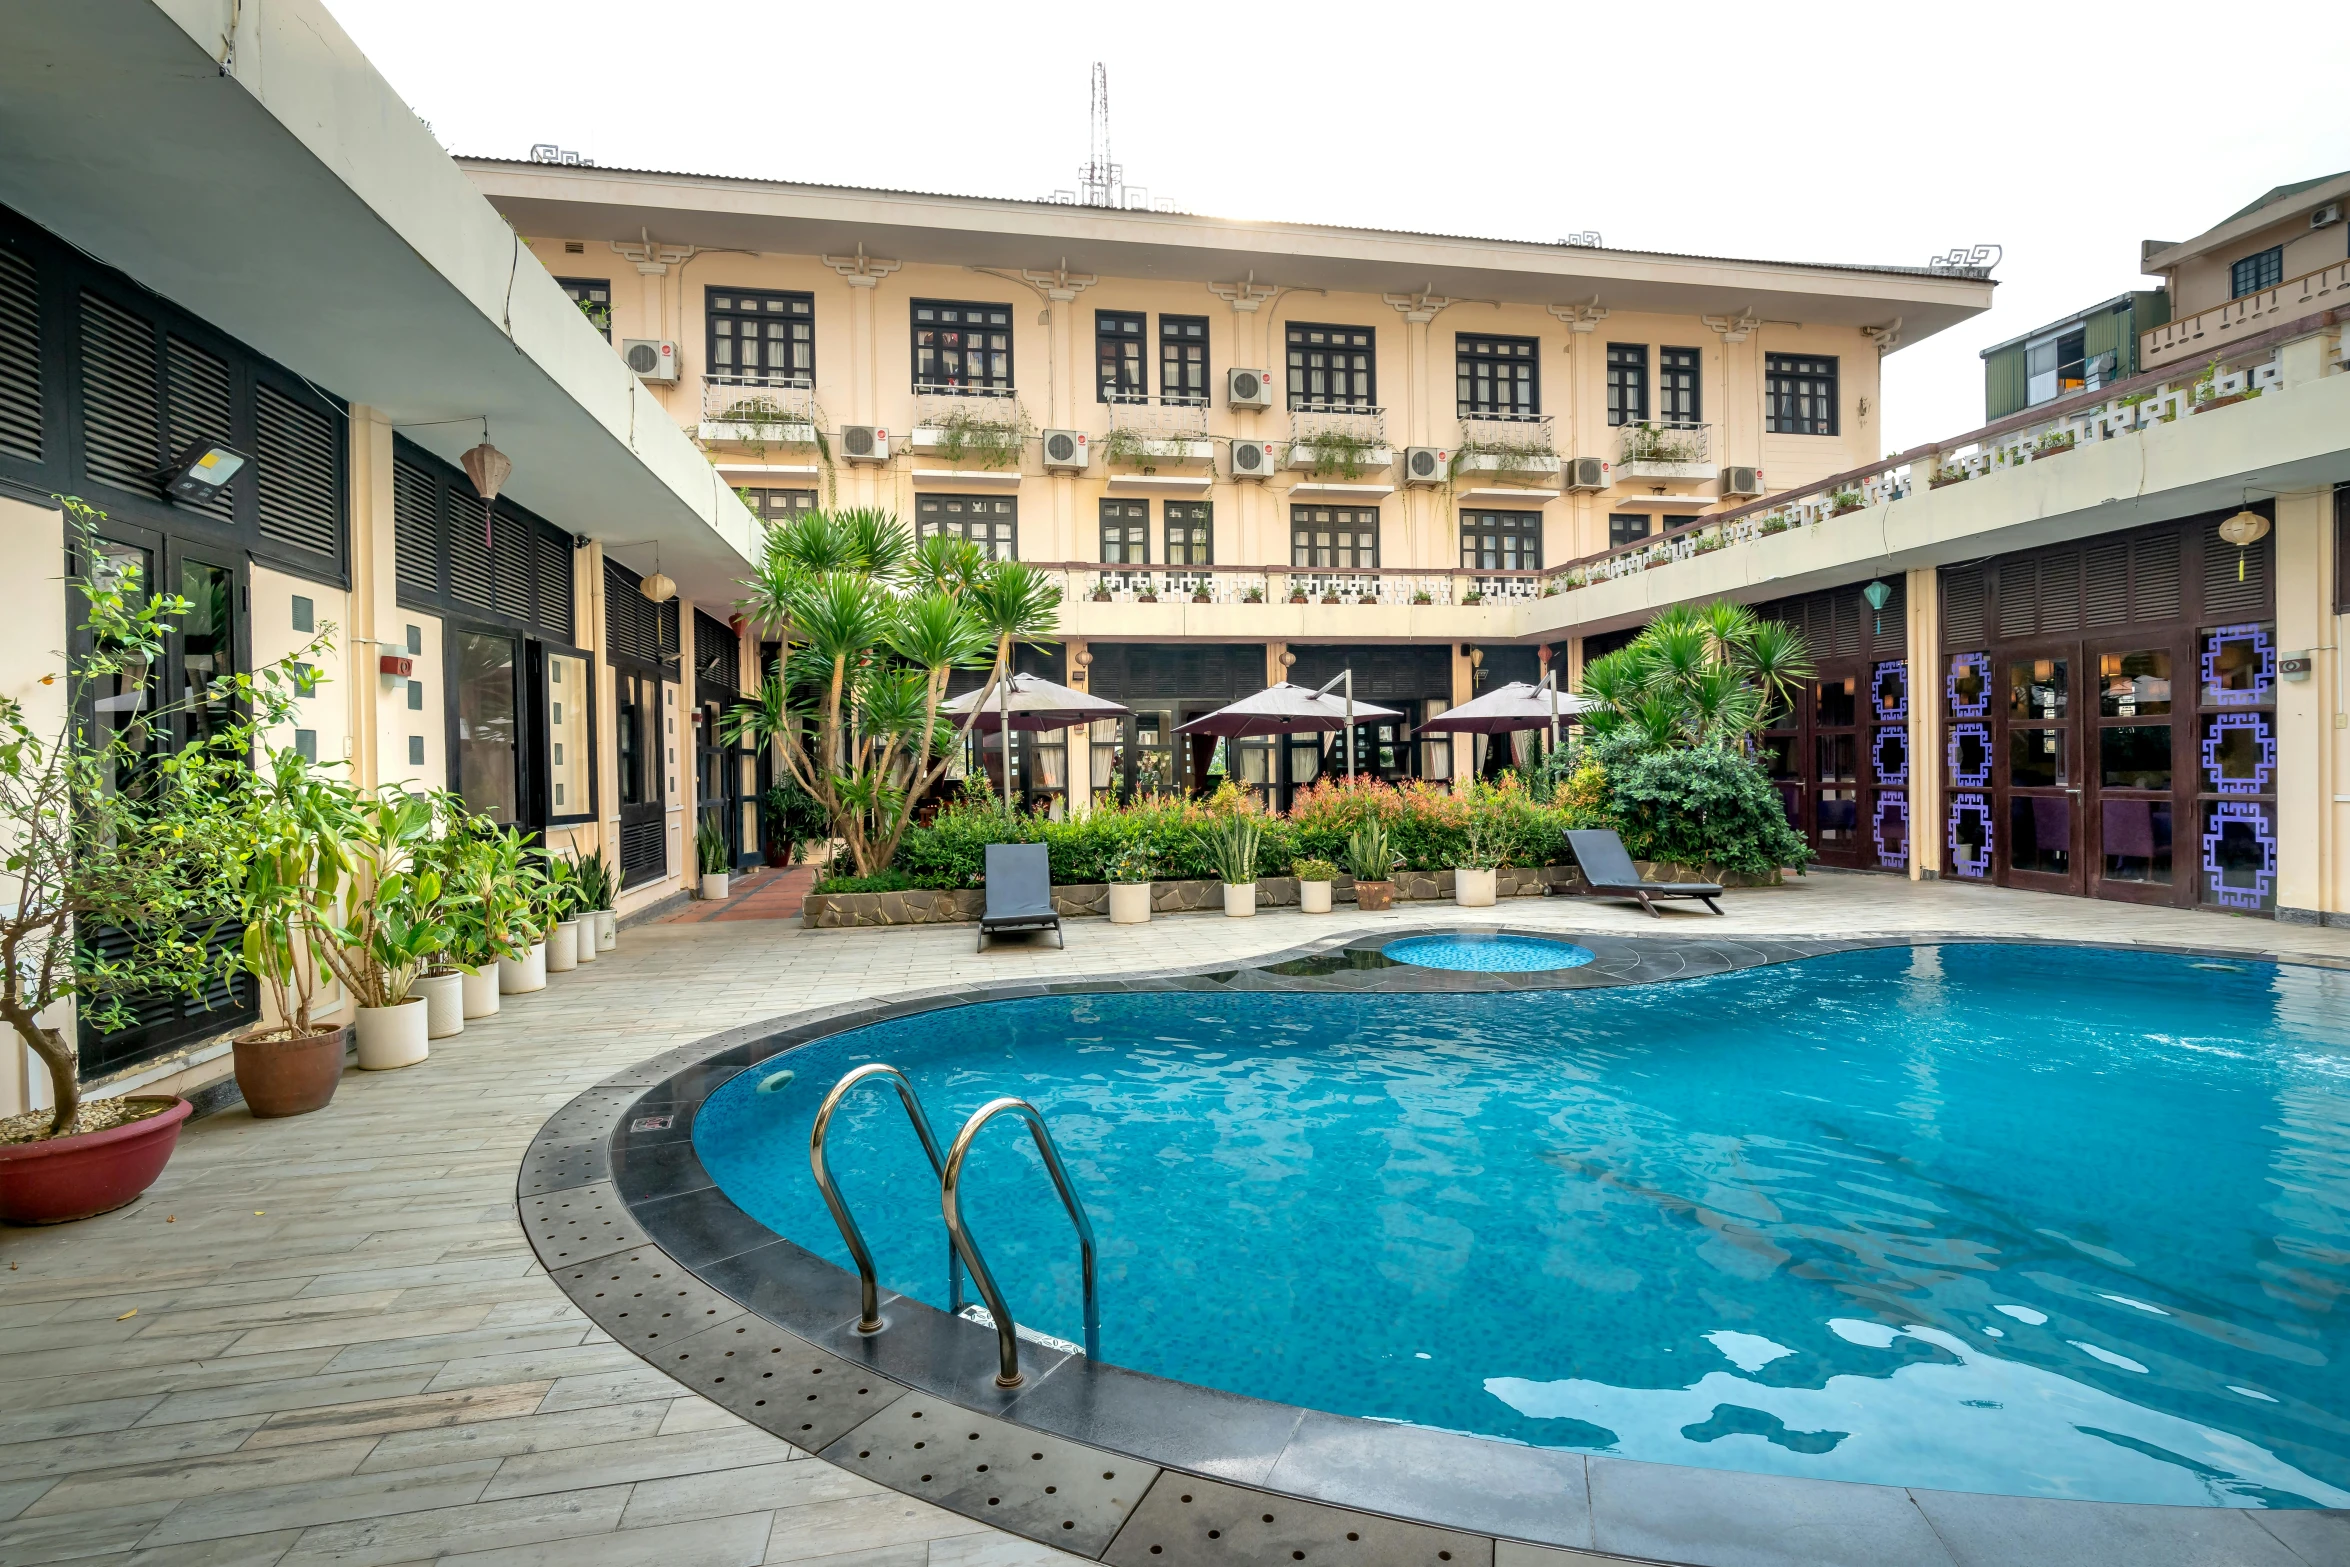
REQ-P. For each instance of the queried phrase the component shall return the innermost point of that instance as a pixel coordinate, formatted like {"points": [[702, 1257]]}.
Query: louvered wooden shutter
{"points": [[20, 357], [2154, 577], [122, 421], [469, 553], [556, 613], [1962, 606], [511, 564], [2227, 600], [716, 652], [416, 530], [300, 505], [2019, 587], [200, 407], [2060, 593], [1890, 626], [2108, 585]]}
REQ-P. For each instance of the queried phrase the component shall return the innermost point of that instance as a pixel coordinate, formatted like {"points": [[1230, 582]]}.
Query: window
{"points": [[1501, 540], [962, 347], [1626, 527], [1799, 394], [1190, 533], [2056, 365], [989, 521], [486, 729], [1331, 367], [593, 295], [1676, 386], [1497, 376], [1627, 383], [1126, 532], [2254, 273], [777, 505], [1121, 374], [568, 755], [1183, 359], [1334, 538], [764, 338]]}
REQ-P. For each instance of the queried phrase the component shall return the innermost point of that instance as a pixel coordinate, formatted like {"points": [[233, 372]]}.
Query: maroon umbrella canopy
{"points": [[1284, 709], [1504, 710], [1035, 703]]}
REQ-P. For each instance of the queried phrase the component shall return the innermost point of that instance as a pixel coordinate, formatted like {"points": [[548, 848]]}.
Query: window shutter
{"points": [[416, 530], [2018, 589], [2225, 599], [201, 409], [2154, 577], [295, 451], [511, 564], [469, 552], [2109, 583], [633, 628], [1844, 616], [2060, 592], [716, 653], [1890, 625], [20, 357], [1962, 606], [556, 612], [122, 426]]}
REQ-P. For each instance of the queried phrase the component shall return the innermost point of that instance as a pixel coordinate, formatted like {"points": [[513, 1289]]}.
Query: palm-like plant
{"points": [[1710, 675]]}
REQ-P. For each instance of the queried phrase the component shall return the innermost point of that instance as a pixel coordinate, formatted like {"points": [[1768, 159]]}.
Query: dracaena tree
{"points": [[872, 626], [1698, 676]]}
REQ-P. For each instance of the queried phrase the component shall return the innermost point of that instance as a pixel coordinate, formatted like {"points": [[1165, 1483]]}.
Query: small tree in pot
{"points": [[386, 922], [1232, 845], [292, 1065], [1130, 872], [1372, 864]]}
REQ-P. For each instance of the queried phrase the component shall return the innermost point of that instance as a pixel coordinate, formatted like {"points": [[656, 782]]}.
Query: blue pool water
{"points": [[1994, 1218], [1487, 954]]}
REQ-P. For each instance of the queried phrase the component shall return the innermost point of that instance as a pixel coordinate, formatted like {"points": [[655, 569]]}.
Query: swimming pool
{"points": [[2015, 1219]]}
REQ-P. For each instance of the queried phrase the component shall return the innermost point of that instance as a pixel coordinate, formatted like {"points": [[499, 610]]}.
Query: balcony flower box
{"points": [[1297, 596], [1146, 598], [1332, 598], [2209, 403], [1202, 596], [982, 444], [1101, 595], [1345, 459], [1253, 596], [1650, 468], [760, 432], [1948, 477], [1122, 449], [1845, 501], [1423, 597], [1528, 464]]}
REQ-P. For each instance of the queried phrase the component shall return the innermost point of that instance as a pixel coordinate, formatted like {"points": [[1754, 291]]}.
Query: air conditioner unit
{"points": [[864, 443], [1425, 464], [1587, 473], [1248, 389], [1745, 483], [1066, 451], [653, 359], [2331, 212], [1254, 459]]}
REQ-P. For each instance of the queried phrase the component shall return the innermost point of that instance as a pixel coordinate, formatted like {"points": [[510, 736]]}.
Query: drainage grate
{"points": [[578, 1223], [1190, 1522], [776, 1380], [554, 1167], [1045, 1487], [644, 1299]]}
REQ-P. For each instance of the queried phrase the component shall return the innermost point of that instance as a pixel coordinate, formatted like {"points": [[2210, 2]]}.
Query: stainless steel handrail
{"points": [[950, 1190], [868, 1285]]}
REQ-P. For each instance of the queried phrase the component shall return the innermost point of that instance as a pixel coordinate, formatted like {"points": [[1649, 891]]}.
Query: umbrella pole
{"points": [[1003, 692], [1350, 722]]}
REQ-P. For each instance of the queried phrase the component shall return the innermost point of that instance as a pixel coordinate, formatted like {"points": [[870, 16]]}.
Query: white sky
{"points": [[1828, 132]]}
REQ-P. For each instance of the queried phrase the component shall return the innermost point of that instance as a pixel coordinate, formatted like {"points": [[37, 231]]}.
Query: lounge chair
{"points": [[1609, 872], [1019, 892]]}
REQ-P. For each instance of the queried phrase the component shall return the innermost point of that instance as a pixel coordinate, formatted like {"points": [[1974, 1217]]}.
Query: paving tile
{"points": [[1992, 1531], [171, 1320], [441, 1349], [739, 1540], [241, 1550], [209, 1475], [144, 1444], [860, 1524], [647, 1458], [40, 1425], [537, 1433], [2320, 1539], [714, 1494], [52, 1537], [608, 1387], [361, 1329], [996, 1549], [1721, 1518], [18, 1495], [435, 1534], [323, 1501], [292, 1393], [378, 1417]]}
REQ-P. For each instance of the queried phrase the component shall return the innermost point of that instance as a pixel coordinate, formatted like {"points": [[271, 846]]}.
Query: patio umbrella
{"points": [[1287, 709], [1031, 702], [1508, 708]]}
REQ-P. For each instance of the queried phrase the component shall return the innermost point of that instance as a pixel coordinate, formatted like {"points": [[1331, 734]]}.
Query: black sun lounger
{"points": [[1609, 872], [1019, 892]]}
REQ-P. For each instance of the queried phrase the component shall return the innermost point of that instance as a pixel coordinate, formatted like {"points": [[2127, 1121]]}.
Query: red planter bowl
{"points": [[64, 1178]]}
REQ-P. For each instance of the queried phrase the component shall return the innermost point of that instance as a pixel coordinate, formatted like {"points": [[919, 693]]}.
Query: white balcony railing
{"points": [[1656, 449], [1116, 584], [2222, 326], [739, 408], [1165, 432], [1348, 423]]}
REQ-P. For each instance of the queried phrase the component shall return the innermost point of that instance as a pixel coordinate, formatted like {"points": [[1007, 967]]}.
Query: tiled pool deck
{"points": [[328, 1339]]}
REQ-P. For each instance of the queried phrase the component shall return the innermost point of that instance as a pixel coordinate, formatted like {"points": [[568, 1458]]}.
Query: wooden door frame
{"points": [[2074, 881], [2184, 644]]}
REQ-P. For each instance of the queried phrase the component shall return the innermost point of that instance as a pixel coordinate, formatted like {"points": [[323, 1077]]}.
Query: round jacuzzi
{"points": [[1477, 952], [2029, 1220]]}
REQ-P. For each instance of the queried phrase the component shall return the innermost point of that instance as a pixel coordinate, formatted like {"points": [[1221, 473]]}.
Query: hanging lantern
{"points": [[488, 468], [2244, 529], [658, 587], [1878, 595]]}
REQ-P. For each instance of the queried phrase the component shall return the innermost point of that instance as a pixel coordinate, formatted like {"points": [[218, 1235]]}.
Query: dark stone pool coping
{"points": [[1140, 1471]]}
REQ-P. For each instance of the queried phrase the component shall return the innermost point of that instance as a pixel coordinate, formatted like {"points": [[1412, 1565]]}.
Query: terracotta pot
{"points": [[392, 1037], [444, 1002], [1130, 902], [519, 976], [1474, 889], [1373, 896], [289, 1076], [1313, 897], [563, 947], [66, 1178], [480, 992]]}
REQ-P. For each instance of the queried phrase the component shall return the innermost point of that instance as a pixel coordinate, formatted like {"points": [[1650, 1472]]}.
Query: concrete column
{"points": [[684, 736], [375, 604], [587, 580], [1464, 747], [1922, 595], [2308, 817], [1080, 738]]}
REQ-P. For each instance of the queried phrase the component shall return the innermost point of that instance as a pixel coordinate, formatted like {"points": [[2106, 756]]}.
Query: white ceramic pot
{"points": [[563, 947], [517, 976], [393, 1036], [480, 991], [1313, 897], [585, 941], [444, 1003], [714, 885], [1240, 902], [607, 929], [1474, 889], [1130, 902]]}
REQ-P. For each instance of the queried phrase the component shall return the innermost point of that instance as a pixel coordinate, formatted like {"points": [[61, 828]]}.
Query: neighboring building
{"points": [[2283, 256], [2091, 349]]}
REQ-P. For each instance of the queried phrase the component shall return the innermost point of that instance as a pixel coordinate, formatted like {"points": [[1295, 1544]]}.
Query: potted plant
{"points": [[710, 857], [1477, 864], [484, 904], [1423, 596], [1297, 595], [520, 930], [559, 912], [1314, 879], [292, 1065], [384, 925], [1201, 595], [1232, 846], [1146, 596], [789, 817], [600, 882], [1253, 596], [1372, 865], [1844, 500], [1130, 875], [107, 830]]}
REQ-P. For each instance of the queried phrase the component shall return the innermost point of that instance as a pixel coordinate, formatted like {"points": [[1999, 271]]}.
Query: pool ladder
{"points": [[962, 1249]]}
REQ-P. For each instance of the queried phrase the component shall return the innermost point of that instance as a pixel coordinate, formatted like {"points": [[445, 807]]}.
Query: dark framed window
{"points": [[1183, 359], [761, 337], [593, 295], [1126, 533], [1501, 541], [1191, 533], [777, 505], [2254, 273], [1332, 366], [1498, 376], [962, 347], [1121, 348], [1627, 527], [1627, 383], [1334, 538], [1677, 400], [1799, 394], [567, 707], [485, 687], [990, 521]]}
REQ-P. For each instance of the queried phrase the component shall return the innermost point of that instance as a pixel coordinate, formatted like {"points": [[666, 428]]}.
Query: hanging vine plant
{"points": [[1338, 453], [965, 436]]}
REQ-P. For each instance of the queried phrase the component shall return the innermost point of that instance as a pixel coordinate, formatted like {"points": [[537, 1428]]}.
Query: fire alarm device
{"points": [[399, 664]]}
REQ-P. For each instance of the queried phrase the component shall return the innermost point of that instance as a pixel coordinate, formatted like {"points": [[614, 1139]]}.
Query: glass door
{"points": [[2134, 765], [2040, 774], [637, 743], [1836, 738]]}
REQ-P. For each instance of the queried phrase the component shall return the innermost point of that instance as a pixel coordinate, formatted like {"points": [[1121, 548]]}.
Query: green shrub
{"points": [[1704, 806], [879, 881], [1314, 870]]}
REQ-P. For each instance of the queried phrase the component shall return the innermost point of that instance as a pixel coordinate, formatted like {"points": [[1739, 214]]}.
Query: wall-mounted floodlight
{"points": [[203, 471]]}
